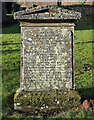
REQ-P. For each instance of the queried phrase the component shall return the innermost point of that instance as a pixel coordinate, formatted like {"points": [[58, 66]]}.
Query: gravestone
{"points": [[47, 56]]}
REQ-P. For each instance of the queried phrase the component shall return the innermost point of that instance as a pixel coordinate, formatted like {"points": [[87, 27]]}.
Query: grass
{"points": [[11, 70], [83, 55]]}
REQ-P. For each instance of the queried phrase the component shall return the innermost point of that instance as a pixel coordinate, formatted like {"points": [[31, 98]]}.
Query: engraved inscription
{"points": [[47, 57]]}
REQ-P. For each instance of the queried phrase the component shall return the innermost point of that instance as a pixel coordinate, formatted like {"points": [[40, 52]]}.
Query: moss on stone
{"points": [[63, 100]]}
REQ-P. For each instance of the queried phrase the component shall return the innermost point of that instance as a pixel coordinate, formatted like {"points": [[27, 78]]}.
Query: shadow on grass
{"points": [[11, 29], [85, 26], [8, 106], [10, 100], [11, 26], [9, 51], [86, 93], [85, 42], [10, 70], [10, 43]]}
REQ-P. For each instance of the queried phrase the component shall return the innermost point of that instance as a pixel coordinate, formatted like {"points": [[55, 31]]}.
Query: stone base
{"points": [[43, 101]]}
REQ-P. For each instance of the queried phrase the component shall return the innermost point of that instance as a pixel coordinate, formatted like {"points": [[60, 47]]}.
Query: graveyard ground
{"points": [[84, 52]]}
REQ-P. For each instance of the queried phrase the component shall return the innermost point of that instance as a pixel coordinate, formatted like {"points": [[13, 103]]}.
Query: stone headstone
{"points": [[47, 57]]}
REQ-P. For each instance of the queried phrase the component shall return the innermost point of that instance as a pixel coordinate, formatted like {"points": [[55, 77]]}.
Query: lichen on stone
{"points": [[47, 99]]}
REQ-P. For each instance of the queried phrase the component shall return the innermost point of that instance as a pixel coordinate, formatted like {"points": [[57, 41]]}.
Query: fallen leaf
{"points": [[92, 53], [90, 74], [86, 104]]}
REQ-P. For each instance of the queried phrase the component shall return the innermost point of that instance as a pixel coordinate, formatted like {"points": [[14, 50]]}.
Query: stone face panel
{"points": [[46, 61]]}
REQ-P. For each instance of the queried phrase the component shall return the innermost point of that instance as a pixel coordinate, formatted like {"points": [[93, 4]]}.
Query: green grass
{"points": [[10, 66], [83, 55], [11, 69], [75, 114]]}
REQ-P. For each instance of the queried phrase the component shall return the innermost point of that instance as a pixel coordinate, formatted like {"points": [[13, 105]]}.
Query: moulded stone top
{"points": [[46, 12]]}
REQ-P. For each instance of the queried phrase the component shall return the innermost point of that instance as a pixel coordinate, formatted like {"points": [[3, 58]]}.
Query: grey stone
{"points": [[47, 58], [46, 12]]}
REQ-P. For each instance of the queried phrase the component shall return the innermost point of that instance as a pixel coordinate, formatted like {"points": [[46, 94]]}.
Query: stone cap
{"points": [[47, 13]]}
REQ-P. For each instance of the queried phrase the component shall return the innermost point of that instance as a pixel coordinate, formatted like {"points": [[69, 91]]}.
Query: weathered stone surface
{"points": [[46, 57], [47, 64], [29, 101], [46, 12]]}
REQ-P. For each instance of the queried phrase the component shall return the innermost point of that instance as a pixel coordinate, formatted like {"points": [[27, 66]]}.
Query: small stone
{"points": [[57, 102], [41, 107], [46, 106], [18, 103]]}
